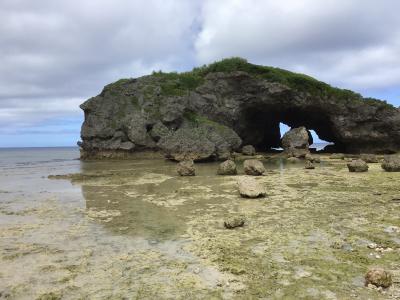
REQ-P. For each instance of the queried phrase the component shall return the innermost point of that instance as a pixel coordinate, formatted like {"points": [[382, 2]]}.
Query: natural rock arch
{"points": [[212, 110]]}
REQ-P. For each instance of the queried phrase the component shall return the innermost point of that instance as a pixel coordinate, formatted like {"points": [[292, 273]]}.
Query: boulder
{"points": [[309, 165], [248, 150], [391, 163], [369, 158], [233, 222], [227, 167], [312, 158], [378, 277], [253, 167], [250, 188], [186, 168], [295, 142], [357, 165]]}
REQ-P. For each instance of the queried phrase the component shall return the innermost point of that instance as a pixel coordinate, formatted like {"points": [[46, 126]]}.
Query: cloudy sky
{"points": [[56, 54]]}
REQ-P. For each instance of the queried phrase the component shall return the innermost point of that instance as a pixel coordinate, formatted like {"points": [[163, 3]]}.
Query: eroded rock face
{"points": [[207, 114], [295, 142]]}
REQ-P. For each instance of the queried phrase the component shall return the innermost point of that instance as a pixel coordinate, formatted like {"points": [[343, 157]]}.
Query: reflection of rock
{"points": [[250, 188], [293, 160], [357, 165], [295, 142], [378, 277], [233, 222], [186, 168], [253, 167], [228, 167], [248, 150], [391, 163]]}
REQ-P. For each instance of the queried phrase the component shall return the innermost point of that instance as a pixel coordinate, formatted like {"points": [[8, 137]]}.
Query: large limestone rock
{"points": [[253, 167], [295, 142], [391, 163], [212, 111], [250, 188]]}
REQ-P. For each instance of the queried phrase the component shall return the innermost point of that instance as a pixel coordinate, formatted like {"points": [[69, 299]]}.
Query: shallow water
{"points": [[134, 230]]}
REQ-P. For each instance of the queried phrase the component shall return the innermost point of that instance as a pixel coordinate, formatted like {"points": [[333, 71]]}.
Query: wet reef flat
{"points": [[135, 230]]}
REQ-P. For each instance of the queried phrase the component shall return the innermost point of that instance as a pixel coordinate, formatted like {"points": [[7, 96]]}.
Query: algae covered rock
{"points": [[378, 277], [227, 167], [249, 150], [250, 188], [186, 168], [253, 167], [357, 165], [391, 163], [233, 222]]}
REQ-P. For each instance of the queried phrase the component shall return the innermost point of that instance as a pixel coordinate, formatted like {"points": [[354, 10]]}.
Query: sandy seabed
{"points": [[133, 229]]}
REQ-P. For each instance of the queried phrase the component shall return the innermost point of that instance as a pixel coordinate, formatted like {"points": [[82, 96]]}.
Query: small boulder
{"points": [[378, 277], [186, 168], [357, 165], [309, 165], [369, 158], [233, 222], [250, 188], [391, 163], [253, 167], [228, 167], [337, 156], [313, 159], [248, 150]]}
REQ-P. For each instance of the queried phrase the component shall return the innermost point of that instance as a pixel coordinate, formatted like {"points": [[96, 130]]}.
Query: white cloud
{"points": [[349, 43]]}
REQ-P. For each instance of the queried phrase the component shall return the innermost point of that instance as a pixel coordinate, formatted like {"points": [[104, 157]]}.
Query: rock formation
{"points": [[296, 141], [213, 110]]}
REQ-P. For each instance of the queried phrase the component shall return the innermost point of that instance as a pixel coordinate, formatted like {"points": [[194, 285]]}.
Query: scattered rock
{"points": [[186, 168], [293, 160], [313, 159], [337, 156], [253, 167], [378, 277], [250, 188], [369, 158], [357, 166], [228, 167], [233, 222], [391, 163], [309, 165], [248, 150], [372, 245], [295, 142]]}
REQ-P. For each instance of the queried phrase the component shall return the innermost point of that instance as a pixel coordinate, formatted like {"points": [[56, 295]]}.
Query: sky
{"points": [[56, 54]]}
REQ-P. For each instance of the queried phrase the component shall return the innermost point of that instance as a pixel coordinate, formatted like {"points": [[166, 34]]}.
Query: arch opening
{"points": [[264, 127]]}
